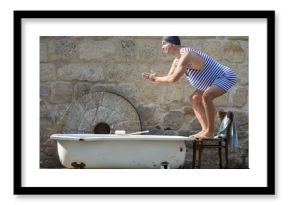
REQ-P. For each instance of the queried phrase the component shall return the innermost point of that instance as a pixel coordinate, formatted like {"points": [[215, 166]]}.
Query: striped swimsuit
{"points": [[213, 73]]}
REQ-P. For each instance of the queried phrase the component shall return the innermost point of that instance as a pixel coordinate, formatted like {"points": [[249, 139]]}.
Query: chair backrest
{"points": [[230, 115]]}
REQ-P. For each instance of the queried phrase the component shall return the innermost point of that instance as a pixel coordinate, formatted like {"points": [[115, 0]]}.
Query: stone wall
{"points": [[71, 67]]}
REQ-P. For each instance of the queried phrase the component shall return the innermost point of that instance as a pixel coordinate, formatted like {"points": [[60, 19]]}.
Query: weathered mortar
{"points": [[71, 67]]}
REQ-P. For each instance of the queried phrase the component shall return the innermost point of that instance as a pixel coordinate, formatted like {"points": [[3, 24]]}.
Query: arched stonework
{"points": [[101, 107]]}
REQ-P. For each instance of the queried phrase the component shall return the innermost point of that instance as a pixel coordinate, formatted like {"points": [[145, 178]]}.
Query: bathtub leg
{"points": [[78, 165], [164, 165]]}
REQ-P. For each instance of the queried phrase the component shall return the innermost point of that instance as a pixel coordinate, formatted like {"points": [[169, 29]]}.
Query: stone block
{"points": [[245, 47], [44, 133], [188, 125], [103, 87], [81, 89], [184, 133], [80, 71], [172, 93], [169, 132], [43, 105], [223, 101], [148, 92], [153, 130], [242, 74], [165, 58], [161, 69], [45, 91], [43, 52], [92, 38], [242, 120], [128, 90], [173, 120], [192, 43], [127, 50], [64, 49], [188, 91], [213, 49], [48, 152], [187, 110], [46, 120], [234, 52], [243, 137], [61, 92], [194, 125], [240, 96], [148, 50], [50, 163], [101, 51], [52, 117], [47, 72], [146, 113], [124, 72]]}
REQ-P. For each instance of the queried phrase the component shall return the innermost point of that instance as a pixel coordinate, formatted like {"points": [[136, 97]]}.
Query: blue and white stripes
{"points": [[213, 73]]}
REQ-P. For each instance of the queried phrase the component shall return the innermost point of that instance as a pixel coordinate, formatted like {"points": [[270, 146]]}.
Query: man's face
{"points": [[166, 46]]}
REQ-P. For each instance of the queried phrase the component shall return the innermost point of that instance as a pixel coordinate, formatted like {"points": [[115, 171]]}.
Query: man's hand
{"points": [[149, 76]]}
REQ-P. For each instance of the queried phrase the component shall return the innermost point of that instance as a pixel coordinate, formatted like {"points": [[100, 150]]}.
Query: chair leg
{"points": [[227, 156], [220, 155], [193, 154], [199, 154]]}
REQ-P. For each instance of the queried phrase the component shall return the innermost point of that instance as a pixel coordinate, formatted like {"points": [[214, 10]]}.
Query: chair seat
{"points": [[211, 139], [212, 143]]}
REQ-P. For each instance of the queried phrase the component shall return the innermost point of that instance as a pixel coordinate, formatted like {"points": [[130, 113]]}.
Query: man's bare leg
{"points": [[207, 100], [197, 106]]}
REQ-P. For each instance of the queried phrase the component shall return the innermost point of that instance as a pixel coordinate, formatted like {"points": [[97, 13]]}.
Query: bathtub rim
{"points": [[116, 137]]}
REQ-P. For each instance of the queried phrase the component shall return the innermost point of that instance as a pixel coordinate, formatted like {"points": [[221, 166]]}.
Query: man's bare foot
{"points": [[206, 135], [203, 135], [197, 135]]}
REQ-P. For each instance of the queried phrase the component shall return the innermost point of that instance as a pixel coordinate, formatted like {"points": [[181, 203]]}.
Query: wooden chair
{"points": [[217, 143]]}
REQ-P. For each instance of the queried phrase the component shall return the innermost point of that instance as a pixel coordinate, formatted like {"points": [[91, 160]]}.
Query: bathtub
{"points": [[113, 151]]}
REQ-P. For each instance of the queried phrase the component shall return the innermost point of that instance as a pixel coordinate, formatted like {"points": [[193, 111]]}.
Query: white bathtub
{"points": [[110, 151]]}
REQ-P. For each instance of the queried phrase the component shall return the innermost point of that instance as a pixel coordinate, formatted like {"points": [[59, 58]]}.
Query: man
{"points": [[210, 78]]}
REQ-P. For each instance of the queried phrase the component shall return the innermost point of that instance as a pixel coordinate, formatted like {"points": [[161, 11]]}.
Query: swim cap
{"points": [[171, 39]]}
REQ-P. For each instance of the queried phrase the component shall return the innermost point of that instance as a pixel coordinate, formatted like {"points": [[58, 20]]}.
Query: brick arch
{"points": [[102, 107]]}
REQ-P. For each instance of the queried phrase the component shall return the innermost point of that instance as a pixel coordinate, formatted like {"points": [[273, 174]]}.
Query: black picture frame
{"points": [[19, 189]]}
